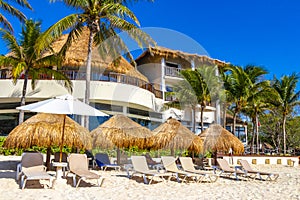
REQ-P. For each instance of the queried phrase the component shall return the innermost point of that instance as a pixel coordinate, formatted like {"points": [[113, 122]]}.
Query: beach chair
{"points": [[152, 163], [188, 166], [32, 168], [78, 164], [102, 161], [228, 171], [170, 166], [140, 166], [248, 169], [30, 160]]}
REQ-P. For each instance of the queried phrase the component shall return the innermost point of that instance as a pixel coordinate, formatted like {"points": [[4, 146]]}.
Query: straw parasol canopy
{"points": [[76, 56], [217, 138], [122, 132], [45, 130], [173, 135]]}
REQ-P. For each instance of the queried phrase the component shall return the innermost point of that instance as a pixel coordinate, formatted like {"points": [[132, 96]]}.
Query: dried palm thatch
{"points": [[216, 138], [120, 131], [45, 130], [173, 135], [169, 53], [76, 56]]}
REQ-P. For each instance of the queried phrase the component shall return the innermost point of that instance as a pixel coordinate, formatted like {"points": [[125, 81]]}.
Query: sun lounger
{"points": [[228, 171], [188, 166], [102, 160], [78, 164], [248, 169], [29, 159], [32, 168], [140, 166], [152, 163], [35, 173], [170, 166]]}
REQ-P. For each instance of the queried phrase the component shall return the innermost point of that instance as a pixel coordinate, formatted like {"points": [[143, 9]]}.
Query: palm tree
{"points": [[24, 58], [12, 11], [257, 105], [196, 90], [104, 19], [287, 98], [240, 84]]}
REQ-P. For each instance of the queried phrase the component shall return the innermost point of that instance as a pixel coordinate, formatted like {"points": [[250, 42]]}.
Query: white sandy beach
{"points": [[117, 186]]}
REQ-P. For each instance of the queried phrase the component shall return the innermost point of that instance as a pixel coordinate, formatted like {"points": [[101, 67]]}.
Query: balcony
{"points": [[172, 71], [107, 77]]}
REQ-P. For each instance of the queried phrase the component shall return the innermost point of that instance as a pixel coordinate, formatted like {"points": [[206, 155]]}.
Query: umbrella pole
{"points": [[62, 137], [118, 156]]}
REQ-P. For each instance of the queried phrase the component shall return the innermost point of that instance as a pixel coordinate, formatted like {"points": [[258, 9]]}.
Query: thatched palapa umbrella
{"points": [[45, 130], [173, 135], [122, 132], [216, 138]]}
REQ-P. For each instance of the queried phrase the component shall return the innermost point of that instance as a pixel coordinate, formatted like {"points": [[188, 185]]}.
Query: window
{"points": [[175, 65]]}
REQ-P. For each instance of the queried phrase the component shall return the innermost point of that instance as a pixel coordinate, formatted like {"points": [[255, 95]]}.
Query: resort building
{"points": [[117, 87]]}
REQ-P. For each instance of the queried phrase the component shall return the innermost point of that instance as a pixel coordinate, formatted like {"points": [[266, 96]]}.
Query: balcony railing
{"points": [[109, 77], [172, 71]]}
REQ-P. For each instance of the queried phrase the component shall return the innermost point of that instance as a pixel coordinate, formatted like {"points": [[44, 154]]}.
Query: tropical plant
{"points": [[25, 60], [286, 98], [240, 84], [8, 8], [105, 19], [197, 90]]}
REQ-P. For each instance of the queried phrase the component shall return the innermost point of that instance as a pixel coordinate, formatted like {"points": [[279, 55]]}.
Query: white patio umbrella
{"points": [[64, 105]]}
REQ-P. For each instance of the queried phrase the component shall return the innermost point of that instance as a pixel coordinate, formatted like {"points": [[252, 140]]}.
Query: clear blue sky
{"points": [[259, 32]]}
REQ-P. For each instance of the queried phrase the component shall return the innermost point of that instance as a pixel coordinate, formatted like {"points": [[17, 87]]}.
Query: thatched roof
{"points": [[169, 53], [216, 138], [77, 54], [122, 132], [172, 134], [45, 130]]}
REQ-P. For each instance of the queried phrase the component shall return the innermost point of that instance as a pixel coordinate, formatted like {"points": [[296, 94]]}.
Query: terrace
{"points": [[106, 77]]}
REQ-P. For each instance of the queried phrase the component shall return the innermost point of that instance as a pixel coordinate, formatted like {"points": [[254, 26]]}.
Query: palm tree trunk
{"points": [[256, 130], [234, 123], [194, 119], [253, 137], [88, 76], [224, 115], [202, 123], [24, 91], [284, 134]]}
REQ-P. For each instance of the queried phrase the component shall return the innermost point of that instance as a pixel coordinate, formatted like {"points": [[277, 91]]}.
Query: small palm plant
{"points": [[25, 60]]}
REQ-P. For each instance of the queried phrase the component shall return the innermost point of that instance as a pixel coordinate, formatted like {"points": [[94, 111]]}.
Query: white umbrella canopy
{"points": [[63, 105], [66, 104]]}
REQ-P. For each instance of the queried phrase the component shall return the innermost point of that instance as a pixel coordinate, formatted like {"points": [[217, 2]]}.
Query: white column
{"points": [[125, 110], [193, 65], [218, 106], [163, 83]]}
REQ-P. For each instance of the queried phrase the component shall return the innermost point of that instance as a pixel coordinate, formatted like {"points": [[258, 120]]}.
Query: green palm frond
{"points": [[62, 78], [17, 70], [120, 11], [11, 43], [55, 31], [8, 8]]}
